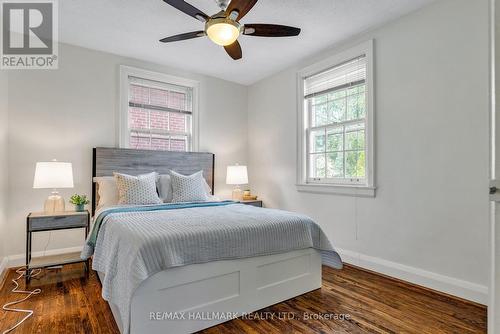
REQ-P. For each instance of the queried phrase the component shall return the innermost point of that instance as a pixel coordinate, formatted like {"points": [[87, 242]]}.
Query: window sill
{"points": [[345, 190]]}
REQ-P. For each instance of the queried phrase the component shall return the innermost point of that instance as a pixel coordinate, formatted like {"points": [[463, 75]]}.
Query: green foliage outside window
{"points": [[338, 150]]}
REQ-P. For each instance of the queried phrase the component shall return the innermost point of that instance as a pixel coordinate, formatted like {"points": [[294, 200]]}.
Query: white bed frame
{"points": [[234, 287]]}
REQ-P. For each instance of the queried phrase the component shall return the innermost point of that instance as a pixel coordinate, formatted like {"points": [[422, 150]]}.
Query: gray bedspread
{"points": [[131, 246]]}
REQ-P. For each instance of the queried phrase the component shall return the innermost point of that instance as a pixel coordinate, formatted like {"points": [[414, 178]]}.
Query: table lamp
{"points": [[237, 175], [53, 175]]}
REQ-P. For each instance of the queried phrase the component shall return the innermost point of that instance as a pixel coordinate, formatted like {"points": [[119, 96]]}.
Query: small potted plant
{"points": [[79, 201]]}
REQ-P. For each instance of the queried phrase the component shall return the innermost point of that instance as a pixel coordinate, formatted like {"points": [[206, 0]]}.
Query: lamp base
{"points": [[237, 194], [54, 203]]}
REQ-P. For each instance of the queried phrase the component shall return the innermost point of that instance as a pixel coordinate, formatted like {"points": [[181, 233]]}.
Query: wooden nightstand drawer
{"points": [[40, 223], [256, 202]]}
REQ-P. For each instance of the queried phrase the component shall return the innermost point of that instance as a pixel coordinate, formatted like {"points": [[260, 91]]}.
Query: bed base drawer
{"points": [[191, 298]]}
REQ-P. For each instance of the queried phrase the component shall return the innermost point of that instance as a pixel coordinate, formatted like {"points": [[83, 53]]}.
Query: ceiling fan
{"points": [[224, 27]]}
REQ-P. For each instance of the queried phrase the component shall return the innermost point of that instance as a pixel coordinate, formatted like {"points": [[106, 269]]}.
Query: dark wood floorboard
{"points": [[369, 303]]}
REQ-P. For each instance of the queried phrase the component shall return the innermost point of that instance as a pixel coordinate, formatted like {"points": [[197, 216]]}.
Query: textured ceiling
{"points": [[133, 27]]}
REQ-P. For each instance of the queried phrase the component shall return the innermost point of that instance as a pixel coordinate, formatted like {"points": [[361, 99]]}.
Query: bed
{"points": [[185, 267]]}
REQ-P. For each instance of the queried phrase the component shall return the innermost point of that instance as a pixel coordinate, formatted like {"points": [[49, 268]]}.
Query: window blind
{"points": [[159, 115], [186, 108], [350, 73], [158, 84]]}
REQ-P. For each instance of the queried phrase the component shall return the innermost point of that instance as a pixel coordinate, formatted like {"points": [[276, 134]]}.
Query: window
{"points": [[336, 114], [157, 111]]}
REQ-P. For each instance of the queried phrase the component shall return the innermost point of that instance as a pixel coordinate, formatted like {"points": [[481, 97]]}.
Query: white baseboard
{"points": [[20, 259], [453, 286], [3, 268]]}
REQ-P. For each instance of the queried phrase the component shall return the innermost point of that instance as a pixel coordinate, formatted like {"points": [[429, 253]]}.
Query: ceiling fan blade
{"points": [[181, 37], [234, 50], [270, 30], [242, 6], [188, 9]]}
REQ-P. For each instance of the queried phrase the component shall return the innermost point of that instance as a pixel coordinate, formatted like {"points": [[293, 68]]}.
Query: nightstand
{"points": [[252, 202], [39, 222]]}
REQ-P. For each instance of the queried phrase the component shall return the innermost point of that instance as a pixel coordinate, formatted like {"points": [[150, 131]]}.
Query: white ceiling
{"points": [[133, 27]]}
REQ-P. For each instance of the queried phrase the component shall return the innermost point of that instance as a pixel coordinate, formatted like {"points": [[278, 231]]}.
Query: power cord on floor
{"points": [[22, 272]]}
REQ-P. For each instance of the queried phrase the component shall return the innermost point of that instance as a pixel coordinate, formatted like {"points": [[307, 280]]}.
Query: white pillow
{"points": [[189, 188], [107, 191], [137, 190], [164, 186], [207, 187], [165, 191], [211, 197]]}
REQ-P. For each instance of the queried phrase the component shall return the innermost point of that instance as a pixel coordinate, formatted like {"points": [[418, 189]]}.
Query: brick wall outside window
{"points": [[145, 119], [178, 144], [139, 142]]}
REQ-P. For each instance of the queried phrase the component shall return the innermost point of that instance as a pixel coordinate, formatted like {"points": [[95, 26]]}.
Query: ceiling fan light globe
{"points": [[223, 32]]}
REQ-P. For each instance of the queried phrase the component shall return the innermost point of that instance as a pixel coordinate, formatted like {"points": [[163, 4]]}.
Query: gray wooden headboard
{"points": [[105, 161]]}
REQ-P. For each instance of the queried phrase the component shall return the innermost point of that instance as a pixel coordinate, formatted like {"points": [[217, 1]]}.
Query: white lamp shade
{"points": [[237, 175], [53, 174]]}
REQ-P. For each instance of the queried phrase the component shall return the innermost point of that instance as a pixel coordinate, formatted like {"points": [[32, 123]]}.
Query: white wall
{"points": [[64, 113], [494, 305], [429, 220], [3, 167]]}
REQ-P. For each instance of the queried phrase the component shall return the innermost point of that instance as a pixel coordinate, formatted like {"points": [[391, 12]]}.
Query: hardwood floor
{"points": [[71, 303]]}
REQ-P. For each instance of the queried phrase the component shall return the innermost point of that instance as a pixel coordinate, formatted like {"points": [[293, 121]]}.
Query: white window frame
{"points": [[123, 117], [366, 189]]}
